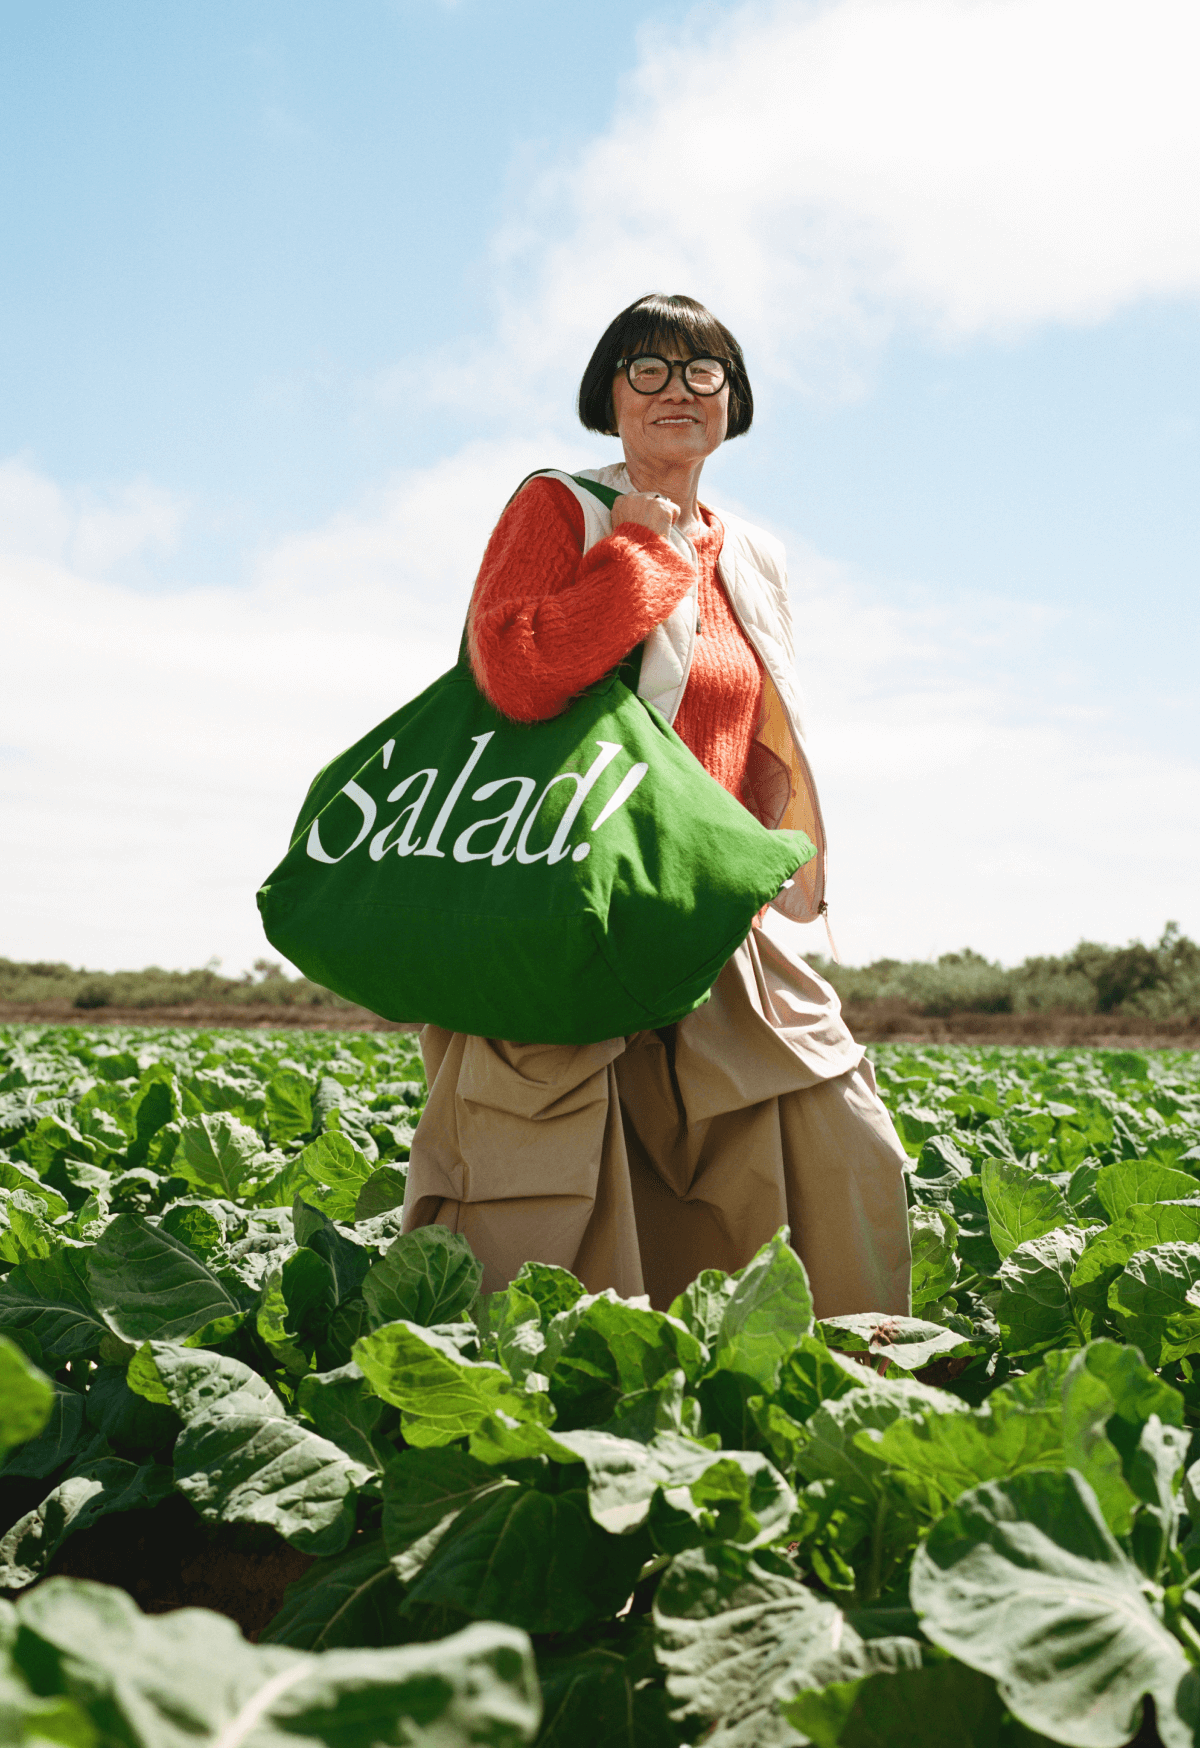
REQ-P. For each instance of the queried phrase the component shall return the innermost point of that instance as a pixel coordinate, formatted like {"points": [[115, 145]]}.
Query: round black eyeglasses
{"points": [[648, 373]]}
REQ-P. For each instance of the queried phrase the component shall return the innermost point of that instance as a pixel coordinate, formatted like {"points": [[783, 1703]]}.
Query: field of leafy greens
{"points": [[545, 1516]]}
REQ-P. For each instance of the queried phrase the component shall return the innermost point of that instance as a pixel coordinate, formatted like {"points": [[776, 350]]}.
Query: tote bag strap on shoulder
{"points": [[606, 494], [630, 668]]}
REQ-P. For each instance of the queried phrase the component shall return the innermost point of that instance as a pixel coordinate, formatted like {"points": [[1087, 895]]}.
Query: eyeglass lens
{"points": [[647, 374]]}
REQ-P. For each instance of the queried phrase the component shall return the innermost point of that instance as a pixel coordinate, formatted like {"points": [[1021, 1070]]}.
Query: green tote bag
{"points": [[556, 882]]}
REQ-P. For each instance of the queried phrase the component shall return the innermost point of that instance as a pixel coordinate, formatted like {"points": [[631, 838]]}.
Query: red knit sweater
{"points": [[548, 619]]}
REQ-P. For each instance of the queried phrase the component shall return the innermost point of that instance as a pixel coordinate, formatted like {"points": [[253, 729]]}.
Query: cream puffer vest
{"points": [[779, 788]]}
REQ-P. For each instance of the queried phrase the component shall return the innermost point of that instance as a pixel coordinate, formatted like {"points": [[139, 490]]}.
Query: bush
{"points": [[42, 981], [97, 992], [1162, 981]]}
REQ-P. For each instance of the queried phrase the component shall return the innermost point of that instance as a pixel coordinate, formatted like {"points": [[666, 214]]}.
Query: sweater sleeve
{"points": [[547, 619]]}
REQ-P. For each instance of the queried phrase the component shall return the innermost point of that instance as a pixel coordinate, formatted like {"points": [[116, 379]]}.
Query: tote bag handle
{"points": [[629, 668]]}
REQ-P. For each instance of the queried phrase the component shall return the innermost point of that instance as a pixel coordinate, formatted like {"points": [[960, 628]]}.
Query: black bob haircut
{"points": [[654, 321]]}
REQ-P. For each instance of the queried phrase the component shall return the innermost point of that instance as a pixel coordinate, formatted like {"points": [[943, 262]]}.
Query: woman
{"points": [[638, 1162]]}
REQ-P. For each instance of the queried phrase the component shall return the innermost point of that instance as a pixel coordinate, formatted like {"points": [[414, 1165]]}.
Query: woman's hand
{"points": [[651, 509]]}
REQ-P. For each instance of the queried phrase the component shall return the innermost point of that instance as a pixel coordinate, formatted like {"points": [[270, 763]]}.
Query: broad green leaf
{"points": [[423, 1492], [552, 1289], [195, 1224], [329, 1174], [288, 1105], [273, 1323], [1021, 1205], [1081, 1191], [426, 1276], [441, 1396], [916, 1126], [665, 1407], [693, 1493], [512, 1321], [148, 1286], [534, 1559], [942, 1705], [814, 1373], [153, 1106], [35, 1239], [127, 1420], [702, 1305], [354, 1598], [16, 1175], [1134, 1390], [1120, 1186], [1154, 1471], [1155, 1301], [941, 1157], [1109, 1396], [115, 1064], [610, 1692], [228, 1090], [33, 1722], [835, 1452], [345, 1256], [734, 1630], [739, 1496], [1023, 1580], [933, 1235], [298, 1301], [1105, 1254], [933, 1457], [61, 1439], [337, 1111], [347, 1324], [604, 1348], [1035, 1310], [51, 1141], [191, 1380], [96, 1490], [765, 1316], [176, 1680], [343, 1410], [383, 1190], [241, 1459], [776, 1434], [50, 1298], [27, 1397], [218, 1154]]}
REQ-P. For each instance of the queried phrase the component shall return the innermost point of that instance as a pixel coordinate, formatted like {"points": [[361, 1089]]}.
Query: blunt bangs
{"points": [[653, 323]]}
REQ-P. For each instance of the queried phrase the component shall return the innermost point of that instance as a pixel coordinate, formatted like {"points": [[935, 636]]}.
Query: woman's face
{"points": [[674, 426]]}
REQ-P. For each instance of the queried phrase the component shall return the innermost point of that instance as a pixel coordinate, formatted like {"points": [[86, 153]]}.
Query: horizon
{"points": [[269, 967]]}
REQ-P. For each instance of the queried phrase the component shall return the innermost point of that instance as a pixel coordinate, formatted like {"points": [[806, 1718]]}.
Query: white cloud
{"points": [[819, 172], [155, 747], [973, 795], [93, 532]]}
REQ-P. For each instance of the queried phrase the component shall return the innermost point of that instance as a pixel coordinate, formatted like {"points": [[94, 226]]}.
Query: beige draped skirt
{"points": [[640, 1161]]}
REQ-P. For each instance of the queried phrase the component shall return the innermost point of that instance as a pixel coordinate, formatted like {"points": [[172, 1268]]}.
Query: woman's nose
{"points": [[677, 383]]}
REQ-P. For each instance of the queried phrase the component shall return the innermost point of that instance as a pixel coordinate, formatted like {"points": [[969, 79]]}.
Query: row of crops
{"points": [[554, 1517]]}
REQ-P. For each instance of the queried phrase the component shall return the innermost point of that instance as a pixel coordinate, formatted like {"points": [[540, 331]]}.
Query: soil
{"points": [[894, 1022], [877, 1022], [169, 1558]]}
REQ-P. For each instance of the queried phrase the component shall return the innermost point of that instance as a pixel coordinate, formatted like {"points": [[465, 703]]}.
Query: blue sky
{"points": [[293, 294]]}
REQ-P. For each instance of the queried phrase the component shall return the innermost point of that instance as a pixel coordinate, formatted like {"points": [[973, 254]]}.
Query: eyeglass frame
{"points": [[671, 363]]}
